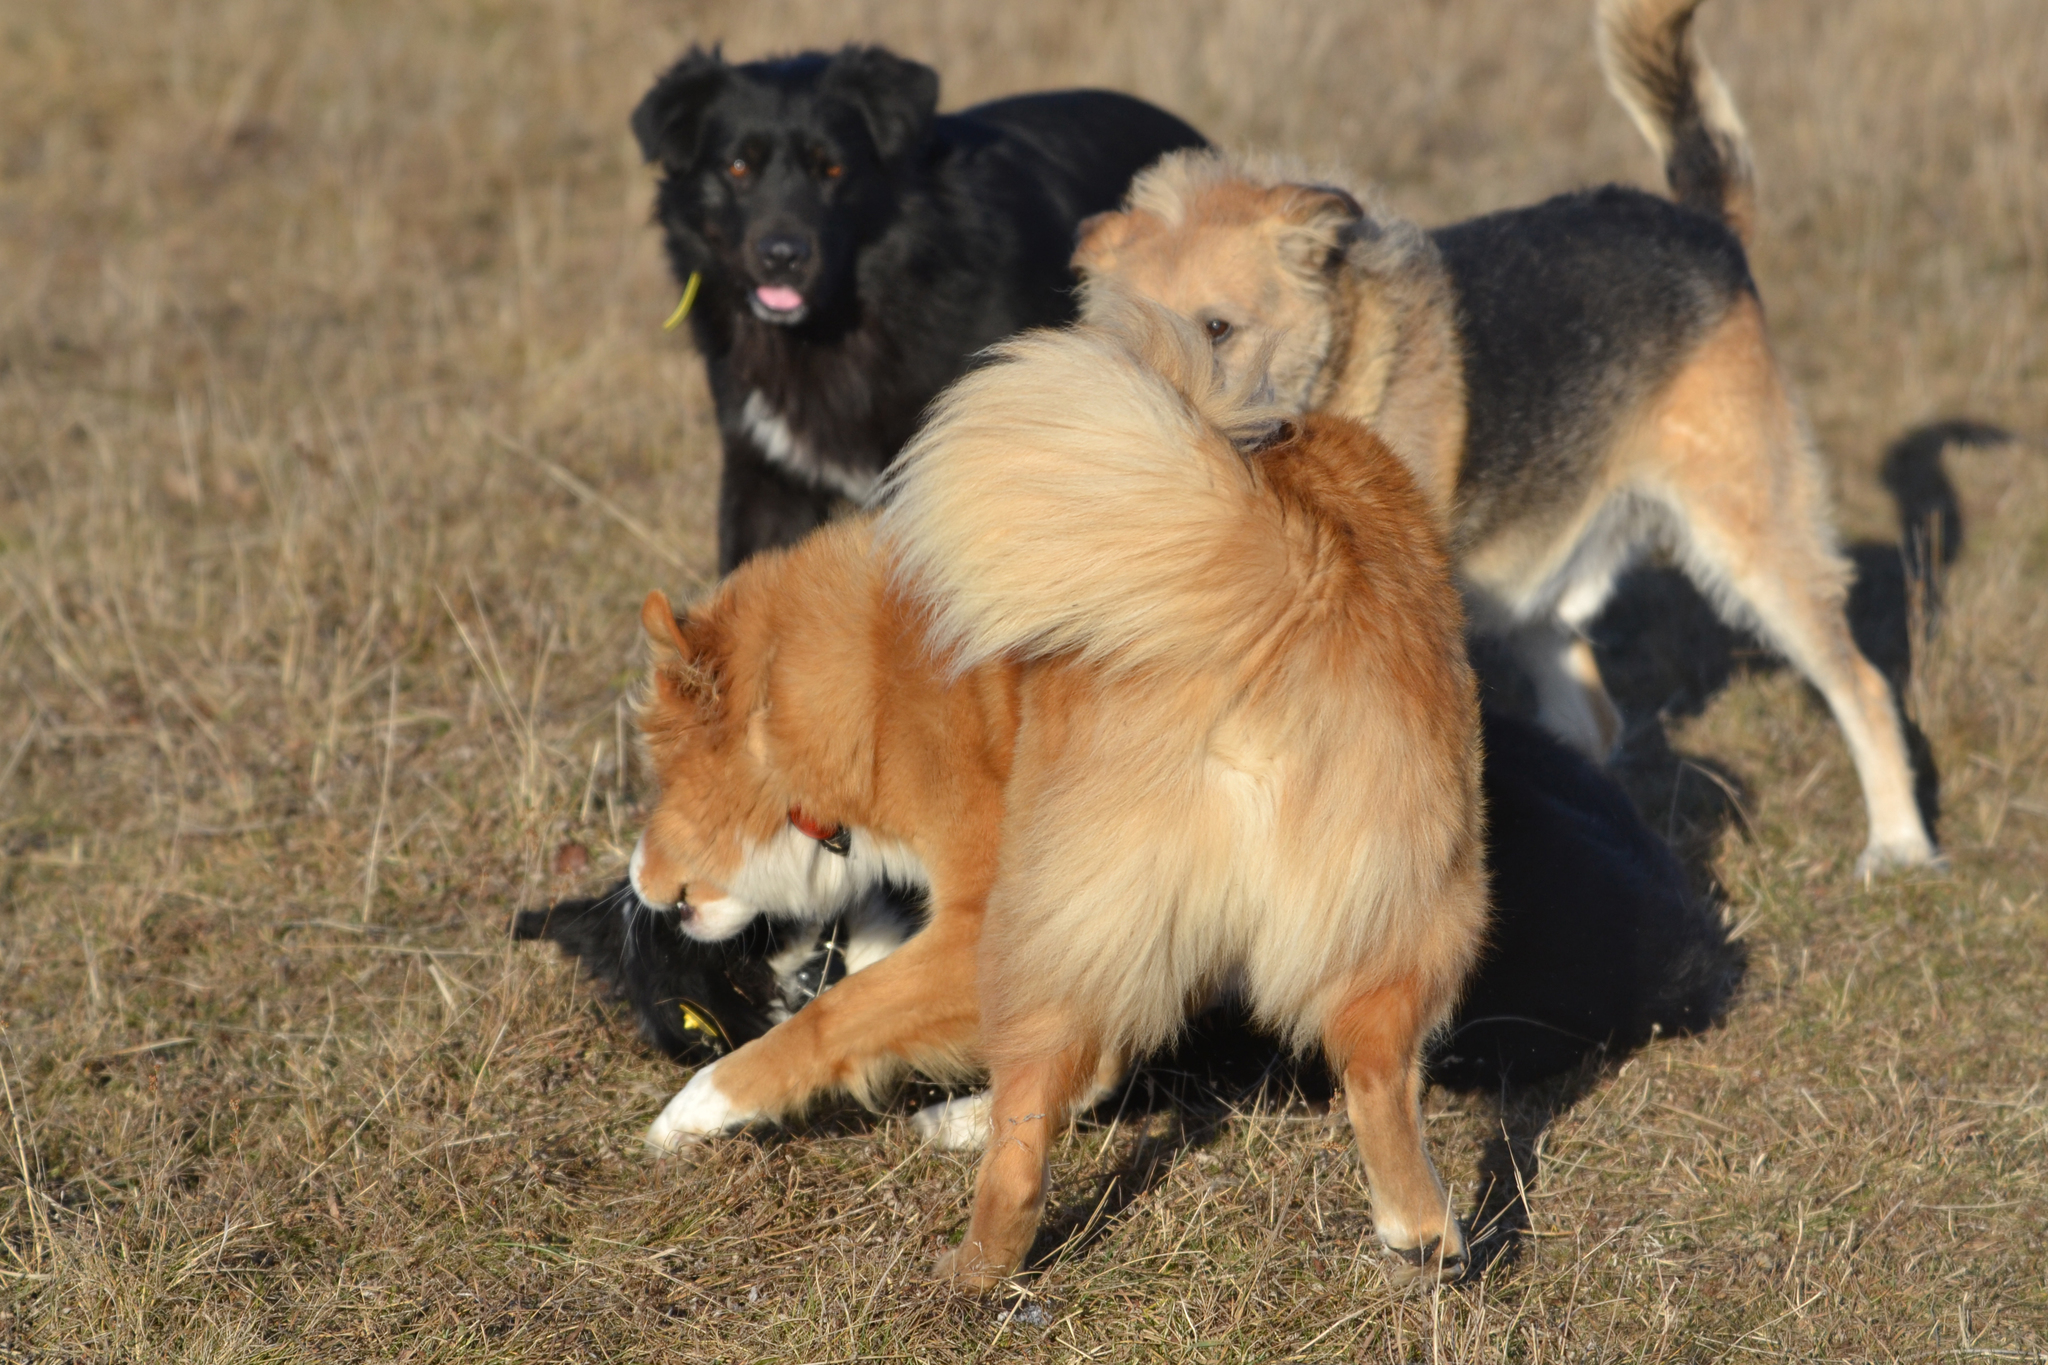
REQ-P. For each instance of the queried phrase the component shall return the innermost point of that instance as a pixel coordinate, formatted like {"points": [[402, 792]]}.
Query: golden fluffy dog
{"points": [[1153, 717], [1571, 382]]}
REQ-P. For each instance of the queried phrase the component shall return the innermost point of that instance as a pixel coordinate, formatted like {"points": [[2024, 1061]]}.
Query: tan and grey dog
{"points": [[1571, 383]]}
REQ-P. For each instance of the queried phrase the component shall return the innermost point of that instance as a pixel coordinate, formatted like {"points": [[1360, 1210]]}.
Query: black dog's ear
{"points": [[667, 118], [896, 97]]}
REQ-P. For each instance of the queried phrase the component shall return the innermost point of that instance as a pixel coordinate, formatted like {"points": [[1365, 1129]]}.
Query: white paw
{"points": [[1880, 858], [699, 1110], [955, 1125]]}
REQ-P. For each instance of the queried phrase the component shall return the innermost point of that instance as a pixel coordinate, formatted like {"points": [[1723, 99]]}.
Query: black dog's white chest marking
{"points": [[771, 432]]}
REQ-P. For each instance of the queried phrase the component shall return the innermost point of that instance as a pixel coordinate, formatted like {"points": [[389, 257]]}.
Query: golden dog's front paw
{"points": [[699, 1110], [1881, 858], [1427, 1264], [969, 1272]]}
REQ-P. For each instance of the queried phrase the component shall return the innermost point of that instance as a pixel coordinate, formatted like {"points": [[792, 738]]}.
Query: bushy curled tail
{"points": [[1655, 67], [1089, 491]]}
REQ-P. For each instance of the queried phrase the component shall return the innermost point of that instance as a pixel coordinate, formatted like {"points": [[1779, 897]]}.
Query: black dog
{"points": [[851, 250], [696, 1001], [693, 1001], [1596, 944]]}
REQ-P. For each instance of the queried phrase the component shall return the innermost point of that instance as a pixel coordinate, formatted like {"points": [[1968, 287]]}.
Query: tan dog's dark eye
{"points": [[739, 169], [1218, 329]]}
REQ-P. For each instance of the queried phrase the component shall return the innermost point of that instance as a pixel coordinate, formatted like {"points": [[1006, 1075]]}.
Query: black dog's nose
{"points": [[783, 252]]}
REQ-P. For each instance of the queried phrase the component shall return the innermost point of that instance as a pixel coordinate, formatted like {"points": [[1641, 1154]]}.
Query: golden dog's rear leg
{"points": [[1030, 1102], [916, 1007], [1374, 1040]]}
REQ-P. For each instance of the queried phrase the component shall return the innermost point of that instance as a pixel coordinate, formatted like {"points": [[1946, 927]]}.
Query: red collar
{"points": [[836, 839]]}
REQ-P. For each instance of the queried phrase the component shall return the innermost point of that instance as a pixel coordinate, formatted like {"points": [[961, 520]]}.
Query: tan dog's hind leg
{"points": [[908, 1008], [1374, 1040], [1571, 701], [1797, 602], [1030, 1103], [1746, 486]]}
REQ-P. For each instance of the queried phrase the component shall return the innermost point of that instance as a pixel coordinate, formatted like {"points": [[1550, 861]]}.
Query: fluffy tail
{"points": [[1654, 66], [1086, 492]]}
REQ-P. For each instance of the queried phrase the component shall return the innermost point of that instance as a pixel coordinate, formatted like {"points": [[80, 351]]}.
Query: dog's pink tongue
{"points": [[777, 297]]}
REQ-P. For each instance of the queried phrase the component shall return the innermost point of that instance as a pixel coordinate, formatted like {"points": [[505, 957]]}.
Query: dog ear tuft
{"points": [[1367, 229], [1097, 240], [669, 117], [1320, 220], [896, 97], [664, 629], [1323, 204], [680, 663]]}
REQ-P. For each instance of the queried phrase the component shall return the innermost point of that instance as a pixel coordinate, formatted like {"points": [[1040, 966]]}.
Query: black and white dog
{"points": [[696, 1001], [1596, 944], [845, 250]]}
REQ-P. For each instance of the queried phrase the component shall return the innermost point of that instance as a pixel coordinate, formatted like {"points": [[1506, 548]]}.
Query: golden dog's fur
{"points": [[1671, 425], [804, 684], [1157, 718]]}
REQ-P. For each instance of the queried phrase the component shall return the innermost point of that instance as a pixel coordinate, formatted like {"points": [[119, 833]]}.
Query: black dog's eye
{"points": [[833, 171], [1218, 329], [739, 169]]}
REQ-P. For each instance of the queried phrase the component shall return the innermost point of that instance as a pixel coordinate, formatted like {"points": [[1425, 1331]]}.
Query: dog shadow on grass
{"points": [[1510, 1161], [1185, 1103], [1182, 1102]]}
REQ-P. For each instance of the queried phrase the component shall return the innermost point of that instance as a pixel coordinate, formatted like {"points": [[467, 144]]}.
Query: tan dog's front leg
{"points": [[910, 1008], [1030, 1102]]}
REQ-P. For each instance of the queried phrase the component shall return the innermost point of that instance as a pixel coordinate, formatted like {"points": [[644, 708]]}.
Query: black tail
{"points": [[1930, 515]]}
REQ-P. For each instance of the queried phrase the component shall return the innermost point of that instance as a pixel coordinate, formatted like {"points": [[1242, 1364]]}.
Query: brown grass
{"points": [[325, 327]]}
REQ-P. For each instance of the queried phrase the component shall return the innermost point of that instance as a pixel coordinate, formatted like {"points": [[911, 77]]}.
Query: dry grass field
{"points": [[339, 441]]}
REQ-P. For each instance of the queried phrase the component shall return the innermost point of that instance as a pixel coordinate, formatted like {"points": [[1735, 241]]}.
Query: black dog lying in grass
{"points": [[844, 249], [1596, 944]]}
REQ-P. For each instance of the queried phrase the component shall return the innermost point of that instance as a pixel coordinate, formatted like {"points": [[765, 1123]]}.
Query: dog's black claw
{"points": [[1426, 1260], [1418, 1255]]}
